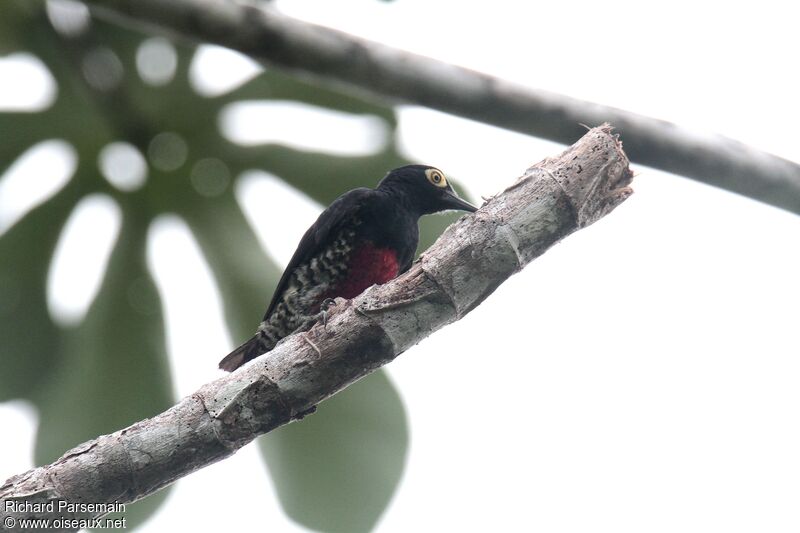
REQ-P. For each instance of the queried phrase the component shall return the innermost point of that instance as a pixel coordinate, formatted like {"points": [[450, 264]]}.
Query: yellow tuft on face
{"points": [[436, 177]]}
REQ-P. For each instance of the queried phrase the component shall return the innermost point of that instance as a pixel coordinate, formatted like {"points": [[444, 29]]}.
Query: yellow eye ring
{"points": [[436, 177]]}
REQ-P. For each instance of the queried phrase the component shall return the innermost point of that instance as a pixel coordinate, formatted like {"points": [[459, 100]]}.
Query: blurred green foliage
{"points": [[337, 470]]}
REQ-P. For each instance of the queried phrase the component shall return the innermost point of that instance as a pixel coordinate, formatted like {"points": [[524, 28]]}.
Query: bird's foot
{"points": [[324, 306]]}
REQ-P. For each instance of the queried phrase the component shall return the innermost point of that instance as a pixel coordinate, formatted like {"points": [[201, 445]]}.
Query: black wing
{"points": [[328, 222]]}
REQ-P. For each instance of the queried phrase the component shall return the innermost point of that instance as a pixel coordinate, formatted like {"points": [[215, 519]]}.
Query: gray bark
{"points": [[468, 262], [330, 56]]}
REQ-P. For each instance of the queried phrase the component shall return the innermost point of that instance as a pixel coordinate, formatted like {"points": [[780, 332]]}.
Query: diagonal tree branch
{"points": [[332, 56], [471, 259]]}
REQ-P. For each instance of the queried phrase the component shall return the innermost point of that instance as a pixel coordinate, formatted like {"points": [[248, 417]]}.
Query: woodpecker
{"points": [[365, 237]]}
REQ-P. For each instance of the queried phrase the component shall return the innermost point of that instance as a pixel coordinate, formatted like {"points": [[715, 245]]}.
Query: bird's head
{"points": [[424, 189]]}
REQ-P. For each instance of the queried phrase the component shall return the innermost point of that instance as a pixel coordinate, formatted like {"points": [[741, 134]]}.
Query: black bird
{"points": [[366, 236]]}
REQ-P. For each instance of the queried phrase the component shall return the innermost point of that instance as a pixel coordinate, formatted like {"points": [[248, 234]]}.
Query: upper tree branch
{"points": [[332, 56], [472, 258]]}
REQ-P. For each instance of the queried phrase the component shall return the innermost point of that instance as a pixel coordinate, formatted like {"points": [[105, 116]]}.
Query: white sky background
{"points": [[642, 375]]}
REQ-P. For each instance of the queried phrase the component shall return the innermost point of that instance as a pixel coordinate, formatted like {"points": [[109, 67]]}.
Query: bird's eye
{"points": [[436, 177]]}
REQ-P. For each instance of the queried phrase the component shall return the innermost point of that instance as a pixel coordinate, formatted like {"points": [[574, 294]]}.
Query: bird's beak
{"points": [[452, 201]]}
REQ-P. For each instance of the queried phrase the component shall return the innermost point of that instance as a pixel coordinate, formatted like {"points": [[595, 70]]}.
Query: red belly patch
{"points": [[368, 265]]}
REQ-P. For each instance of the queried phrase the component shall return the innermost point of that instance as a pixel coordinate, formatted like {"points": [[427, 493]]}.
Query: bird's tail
{"points": [[249, 350]]}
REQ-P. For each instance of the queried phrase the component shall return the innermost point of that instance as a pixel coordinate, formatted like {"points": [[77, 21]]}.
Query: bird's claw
{"points": [[324, 306]]}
